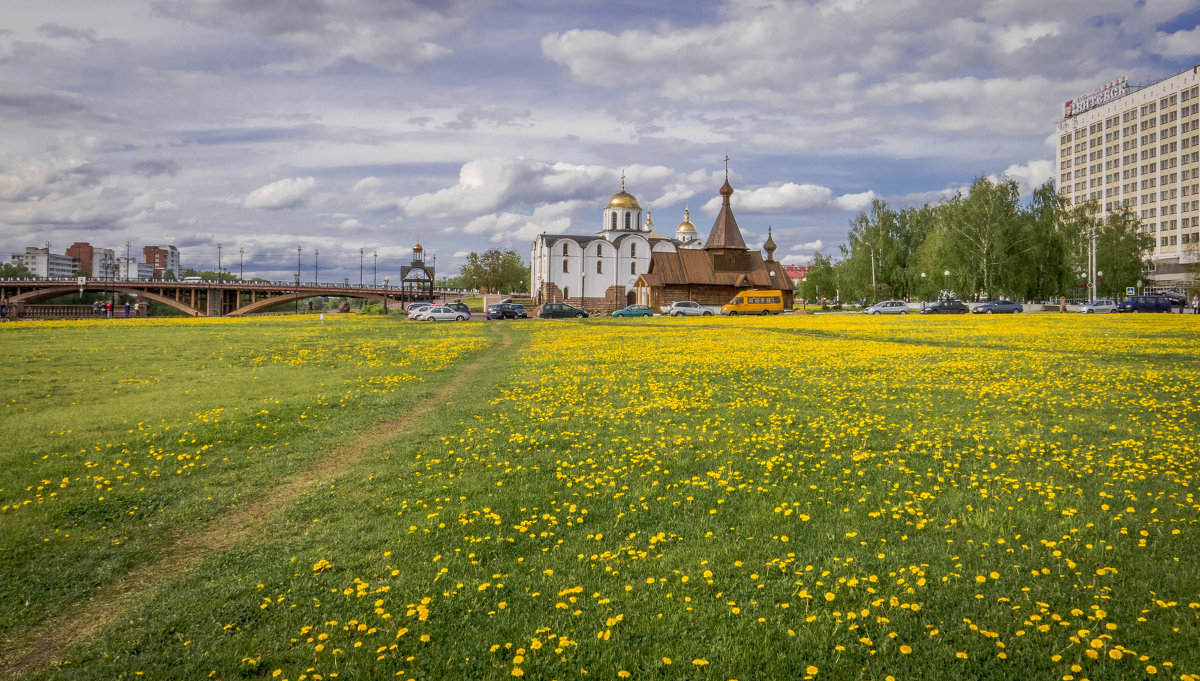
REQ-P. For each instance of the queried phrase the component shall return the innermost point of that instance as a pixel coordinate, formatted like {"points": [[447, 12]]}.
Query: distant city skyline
{"points": [[340, 125]]}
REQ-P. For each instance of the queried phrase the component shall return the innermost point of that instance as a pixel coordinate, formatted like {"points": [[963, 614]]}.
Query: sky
{"points": [[352, 129]]}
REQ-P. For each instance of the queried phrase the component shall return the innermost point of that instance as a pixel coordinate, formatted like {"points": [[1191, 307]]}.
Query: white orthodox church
{"points": [[599, 272]]}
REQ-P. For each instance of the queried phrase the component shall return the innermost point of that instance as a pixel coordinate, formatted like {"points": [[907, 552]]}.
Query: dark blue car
{"points": [[998, 307], [1145, 304], [506, 311]]}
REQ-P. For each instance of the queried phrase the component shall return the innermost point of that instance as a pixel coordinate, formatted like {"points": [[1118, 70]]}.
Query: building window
{"points": [[614, 220], [628, 219], [598, 247], [566, 266], [633, 250], [633, 268], [564, 249], [599, 267]]}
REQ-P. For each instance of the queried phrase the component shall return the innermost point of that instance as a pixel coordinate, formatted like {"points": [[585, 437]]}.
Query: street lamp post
{"points": [[241, 262], [1099, 276], [297, 266], [316, 265], [946, 282], [873, 289], [360, 267], [218, 262], [375, 269], [127, 245]]}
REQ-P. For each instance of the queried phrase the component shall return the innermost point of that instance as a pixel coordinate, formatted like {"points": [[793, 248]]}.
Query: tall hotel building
{"points": [[1140, 148]]}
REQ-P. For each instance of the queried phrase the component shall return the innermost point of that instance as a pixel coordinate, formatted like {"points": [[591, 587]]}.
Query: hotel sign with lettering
{"points": [[1101, 95]]}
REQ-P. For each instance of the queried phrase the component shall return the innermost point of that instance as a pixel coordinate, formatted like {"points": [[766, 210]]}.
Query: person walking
{"points": [[1196, 303], [127, 309], [3, 309], [108, 309]]}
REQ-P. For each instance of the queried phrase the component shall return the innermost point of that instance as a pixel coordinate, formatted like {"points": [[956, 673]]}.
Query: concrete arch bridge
{"points": [[203, 299]]}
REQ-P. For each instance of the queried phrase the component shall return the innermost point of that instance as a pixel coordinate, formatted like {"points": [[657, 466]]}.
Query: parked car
{"points": [[557, 310], [947, 307], [507, 311], [634, 311], [414, 310], [412, 306], [1145, 304], [998, 307], [441, 313], [1100, 306], [888, 307], [681, 308], [460, 306]]}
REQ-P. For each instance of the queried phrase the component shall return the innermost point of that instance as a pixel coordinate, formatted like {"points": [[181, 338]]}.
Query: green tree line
{"points": [[982, 244], [495, 270]]}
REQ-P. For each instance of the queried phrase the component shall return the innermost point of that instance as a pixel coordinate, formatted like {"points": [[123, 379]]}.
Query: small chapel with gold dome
{"points": [[627, 262]]}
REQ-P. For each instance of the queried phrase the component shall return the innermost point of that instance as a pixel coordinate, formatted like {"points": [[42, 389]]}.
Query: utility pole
{"points": [[241, 261], [360, 267], [316, 265], [375, 270], [297, 266], [218, 261]]}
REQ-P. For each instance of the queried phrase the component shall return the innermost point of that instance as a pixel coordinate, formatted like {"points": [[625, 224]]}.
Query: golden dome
{"points": [[686, 225], [418, 248], [623, 200]]}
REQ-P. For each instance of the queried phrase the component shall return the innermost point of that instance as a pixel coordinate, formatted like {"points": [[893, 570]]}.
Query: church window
{"points": [[633, 268], [633, 250], [614, 220], [599, 267], [598, 250], [566, 267], [564, 251], [628, 217]]}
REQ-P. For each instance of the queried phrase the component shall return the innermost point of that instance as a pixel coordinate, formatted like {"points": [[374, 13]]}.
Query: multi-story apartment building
{"points": [[98, 262], [163, 258], [1140, 148], [43, 263], [130, 269]]}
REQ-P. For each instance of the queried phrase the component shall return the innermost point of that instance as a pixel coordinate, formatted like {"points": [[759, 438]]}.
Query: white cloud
{"points": [[790, 197], [1013, 38], [814, 245], [1179, 44], [286, 193], [854, 202], [1031, 175], [488, 185], [517, 228]]}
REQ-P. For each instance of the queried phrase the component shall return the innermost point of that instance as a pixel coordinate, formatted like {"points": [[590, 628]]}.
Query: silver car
{"points": [[1100, 306], [681, 308], [441, 313], [414, 310], [888, 307]]}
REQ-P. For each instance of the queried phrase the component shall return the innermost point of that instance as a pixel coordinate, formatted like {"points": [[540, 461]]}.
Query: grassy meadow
{"points": [[802, 497]]}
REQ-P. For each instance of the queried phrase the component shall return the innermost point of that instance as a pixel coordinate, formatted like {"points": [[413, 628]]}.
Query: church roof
{"points": [[697, 267], [725, 232]]}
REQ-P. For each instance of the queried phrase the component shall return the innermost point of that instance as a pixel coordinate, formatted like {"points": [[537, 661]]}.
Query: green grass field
{"points": [[826, 497]]}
